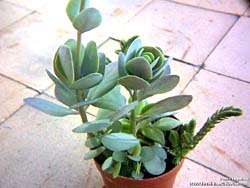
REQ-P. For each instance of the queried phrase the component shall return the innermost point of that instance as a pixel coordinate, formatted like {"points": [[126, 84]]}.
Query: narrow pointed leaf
{"points": [[73, 9], [119, 141], [93, 126], [48, 107], [121, 65], [107, 163], [88, 19], [67, 62], [123, 111], [57, 81], [107, 84], [162, 85], [87, 82], [117, 169], [90, 62], [102, 63], [135, 45], [133, 82], [140, 67], [94, 153], [168, 105]]}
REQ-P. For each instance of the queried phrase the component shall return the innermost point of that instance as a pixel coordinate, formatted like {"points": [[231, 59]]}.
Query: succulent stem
{"points": [[133, 115]]}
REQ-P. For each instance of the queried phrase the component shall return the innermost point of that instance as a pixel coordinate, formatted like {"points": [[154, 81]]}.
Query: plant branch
{"points": [[216, 118]]}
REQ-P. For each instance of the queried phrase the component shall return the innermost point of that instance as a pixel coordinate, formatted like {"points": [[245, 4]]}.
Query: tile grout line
{"points": [[17, 5], [203, 8], [16, 81], [224, 75], [215, 171], [18, 20], [214, 48]]}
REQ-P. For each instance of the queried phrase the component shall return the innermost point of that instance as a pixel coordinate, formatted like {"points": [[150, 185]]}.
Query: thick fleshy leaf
{"points": [[133, 82], [72, 44], [164, 68], [84, 103], [140, 67], [137, 176], [123, 111], [67, 62], [119, 156], [73, 9], [102, 63], [90, 62], [87, 82], [94, 153], [113, 100], [93, 142], [107, 84], [156, 53], [156, 166], [159, 151], [57, 81], [154, 134], [162, 85], [107, 163], [147, 153], [135, 45], [119, 141], [49, 107], [92, 126], [166, 124], [88, 19], [58, 69], [104, 114], [121, 65], [65, 96], [168, 105]]}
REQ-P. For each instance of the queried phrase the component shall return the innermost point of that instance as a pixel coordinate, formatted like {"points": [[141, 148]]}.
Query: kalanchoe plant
{"points": [[130, 136]]}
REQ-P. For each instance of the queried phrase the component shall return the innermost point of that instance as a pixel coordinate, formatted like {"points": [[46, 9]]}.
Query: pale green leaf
{"points": [[162, 85], [66, 96], [49, 107], [94, 153], [168, 105], [156, 166], [119, 141], [88, 19], [90, 62], [107, 163], [73, 9], [119, 156], [87, 82], [140, 67], [166, 124], [134, 46], [93, 142], [93, 126], [133, 82], [84, 103], [117, 169], [154, 134]]}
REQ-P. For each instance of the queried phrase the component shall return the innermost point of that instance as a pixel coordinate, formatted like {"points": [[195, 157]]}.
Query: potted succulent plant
{"points": [[134, 143]]}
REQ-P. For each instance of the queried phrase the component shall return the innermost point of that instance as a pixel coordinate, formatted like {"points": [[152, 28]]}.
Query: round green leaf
{"points": [[140, 67], [156, 166], [147, 153], [87, 20], [119, 141], [73, 9], [119, 156]]}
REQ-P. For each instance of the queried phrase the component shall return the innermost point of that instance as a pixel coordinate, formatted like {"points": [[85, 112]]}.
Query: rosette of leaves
{"points": [[82, 77], [140, 65]]}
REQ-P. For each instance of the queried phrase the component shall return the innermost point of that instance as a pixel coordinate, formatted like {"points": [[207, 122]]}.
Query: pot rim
{"points": [[168, 173]]}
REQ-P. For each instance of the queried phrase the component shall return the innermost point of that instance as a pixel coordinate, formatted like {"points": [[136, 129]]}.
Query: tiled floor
{"points": [[211, 45]]}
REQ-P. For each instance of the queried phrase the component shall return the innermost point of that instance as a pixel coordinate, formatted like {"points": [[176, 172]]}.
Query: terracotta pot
{"points": [[164, 181]]}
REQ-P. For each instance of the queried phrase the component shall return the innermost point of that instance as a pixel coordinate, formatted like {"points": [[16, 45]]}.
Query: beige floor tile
{"points": [[28, 48], [38, 150], [233, 6], [188, 36], [226, 148], [247, 13], [10, 13], [232, 56], [11, 97], [30, 4]]}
